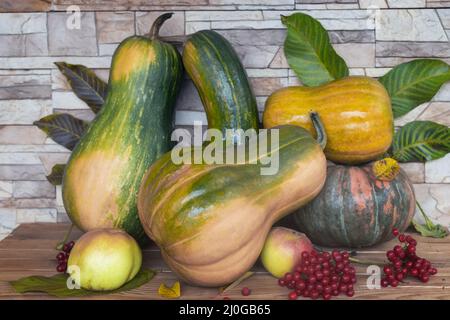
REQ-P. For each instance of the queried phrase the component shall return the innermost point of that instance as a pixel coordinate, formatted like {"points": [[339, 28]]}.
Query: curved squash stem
{"points": [[428, 221], [367, 262], [60, 245], [318, 126], [154, 31]]}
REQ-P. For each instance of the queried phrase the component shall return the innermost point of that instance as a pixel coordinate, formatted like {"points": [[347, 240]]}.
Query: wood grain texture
{"points": [[29, 250]]}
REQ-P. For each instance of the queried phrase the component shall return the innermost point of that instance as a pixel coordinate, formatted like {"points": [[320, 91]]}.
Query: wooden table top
{"points": [[29, 250]]}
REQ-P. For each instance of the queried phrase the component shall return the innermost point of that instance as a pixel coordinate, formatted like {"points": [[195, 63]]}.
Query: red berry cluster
{"points": [[404, 261], [321, 275], [63, 257]]}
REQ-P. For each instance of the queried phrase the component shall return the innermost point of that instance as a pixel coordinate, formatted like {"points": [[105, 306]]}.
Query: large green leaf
{"points": [[413, 83], [85, 84], [421, 141], [63, 128], [55, 177], [309, 51], [57, 285]]}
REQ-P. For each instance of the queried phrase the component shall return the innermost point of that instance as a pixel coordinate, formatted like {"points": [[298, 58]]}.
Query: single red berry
{"points": [[394, 283], [326, 296], [305, 255], [424, 277], [384, 283], [62, 267], [395, 232], [350, 293], [414, 272], [409, 238], [387, 270], [433, 271], [343, 288], [300, 285], [293, 295], [61, 256], [401, 237], [297, 276], [246, 291], [346, 278], [335, 292], [390, 255], [281, 282], [288, 276], [306, 294], [409, 264], [399, 276], [315, 294], [398, 264], [312, 279]]}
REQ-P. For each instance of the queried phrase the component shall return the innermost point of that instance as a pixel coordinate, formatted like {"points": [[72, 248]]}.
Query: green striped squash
{"points": [[131, 131], [211, 220], [355, 209], [221, 81]]}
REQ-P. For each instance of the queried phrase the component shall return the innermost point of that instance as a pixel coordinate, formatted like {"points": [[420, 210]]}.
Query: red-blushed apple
{"points": [[283, 249]]}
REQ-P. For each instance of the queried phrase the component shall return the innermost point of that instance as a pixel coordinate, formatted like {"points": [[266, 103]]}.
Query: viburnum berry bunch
{"points": [[404, 262], [321, 274], [63, 256]]}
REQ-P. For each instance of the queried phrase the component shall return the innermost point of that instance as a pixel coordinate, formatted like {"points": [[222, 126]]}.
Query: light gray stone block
{"points": [[438, 171], [18, 172], [19, 158], [7, 220], [48, 62], [48, 160], [33, 189], [22, 23], [406, 3], [365, 4], [113, 27], [444, 15], [360, 55], [249, 37], [64, 41], [193, 27], [22, 45], [6, 189], [409, 25], [256, 56], [415, 171], [413, 49], [435, 201], [23, 111], [223, 15], [172, 27], [36, 215], [21, 135], [437, 112], [265, 86], [67, 100]]}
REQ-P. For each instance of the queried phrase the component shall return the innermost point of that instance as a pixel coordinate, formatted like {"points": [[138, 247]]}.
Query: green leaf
{"points": [[55, 177], [421, 141], [429, 229], [309, 52], [413, 83], [57, 285], [85, 84], [63, 128]]}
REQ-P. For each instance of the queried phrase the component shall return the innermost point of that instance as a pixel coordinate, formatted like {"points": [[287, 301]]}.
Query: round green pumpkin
{"points": [[355, 209]]}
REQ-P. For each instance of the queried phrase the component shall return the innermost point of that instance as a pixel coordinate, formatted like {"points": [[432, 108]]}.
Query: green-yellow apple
{"points": [[104, 259], [282, 250]]}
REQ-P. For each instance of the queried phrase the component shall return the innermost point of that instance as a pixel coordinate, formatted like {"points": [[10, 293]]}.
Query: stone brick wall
{"points": [[33, 35]]}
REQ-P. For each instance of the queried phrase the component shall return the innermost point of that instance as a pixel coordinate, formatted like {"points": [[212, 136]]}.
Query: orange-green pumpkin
{"points": [[211, 220], [131, 131], [355, 209], [355, 111]]}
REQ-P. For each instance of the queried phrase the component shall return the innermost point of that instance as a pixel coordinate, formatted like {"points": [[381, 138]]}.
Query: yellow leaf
{"points": [[386, 169], [170, 292]]}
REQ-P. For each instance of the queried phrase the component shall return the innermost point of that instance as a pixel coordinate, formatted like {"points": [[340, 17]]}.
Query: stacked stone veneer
{"points": [[372, 36]]}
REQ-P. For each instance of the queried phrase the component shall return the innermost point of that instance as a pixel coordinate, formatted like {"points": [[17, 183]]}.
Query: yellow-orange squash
{"points": [[355, 111], [211, 220]]}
